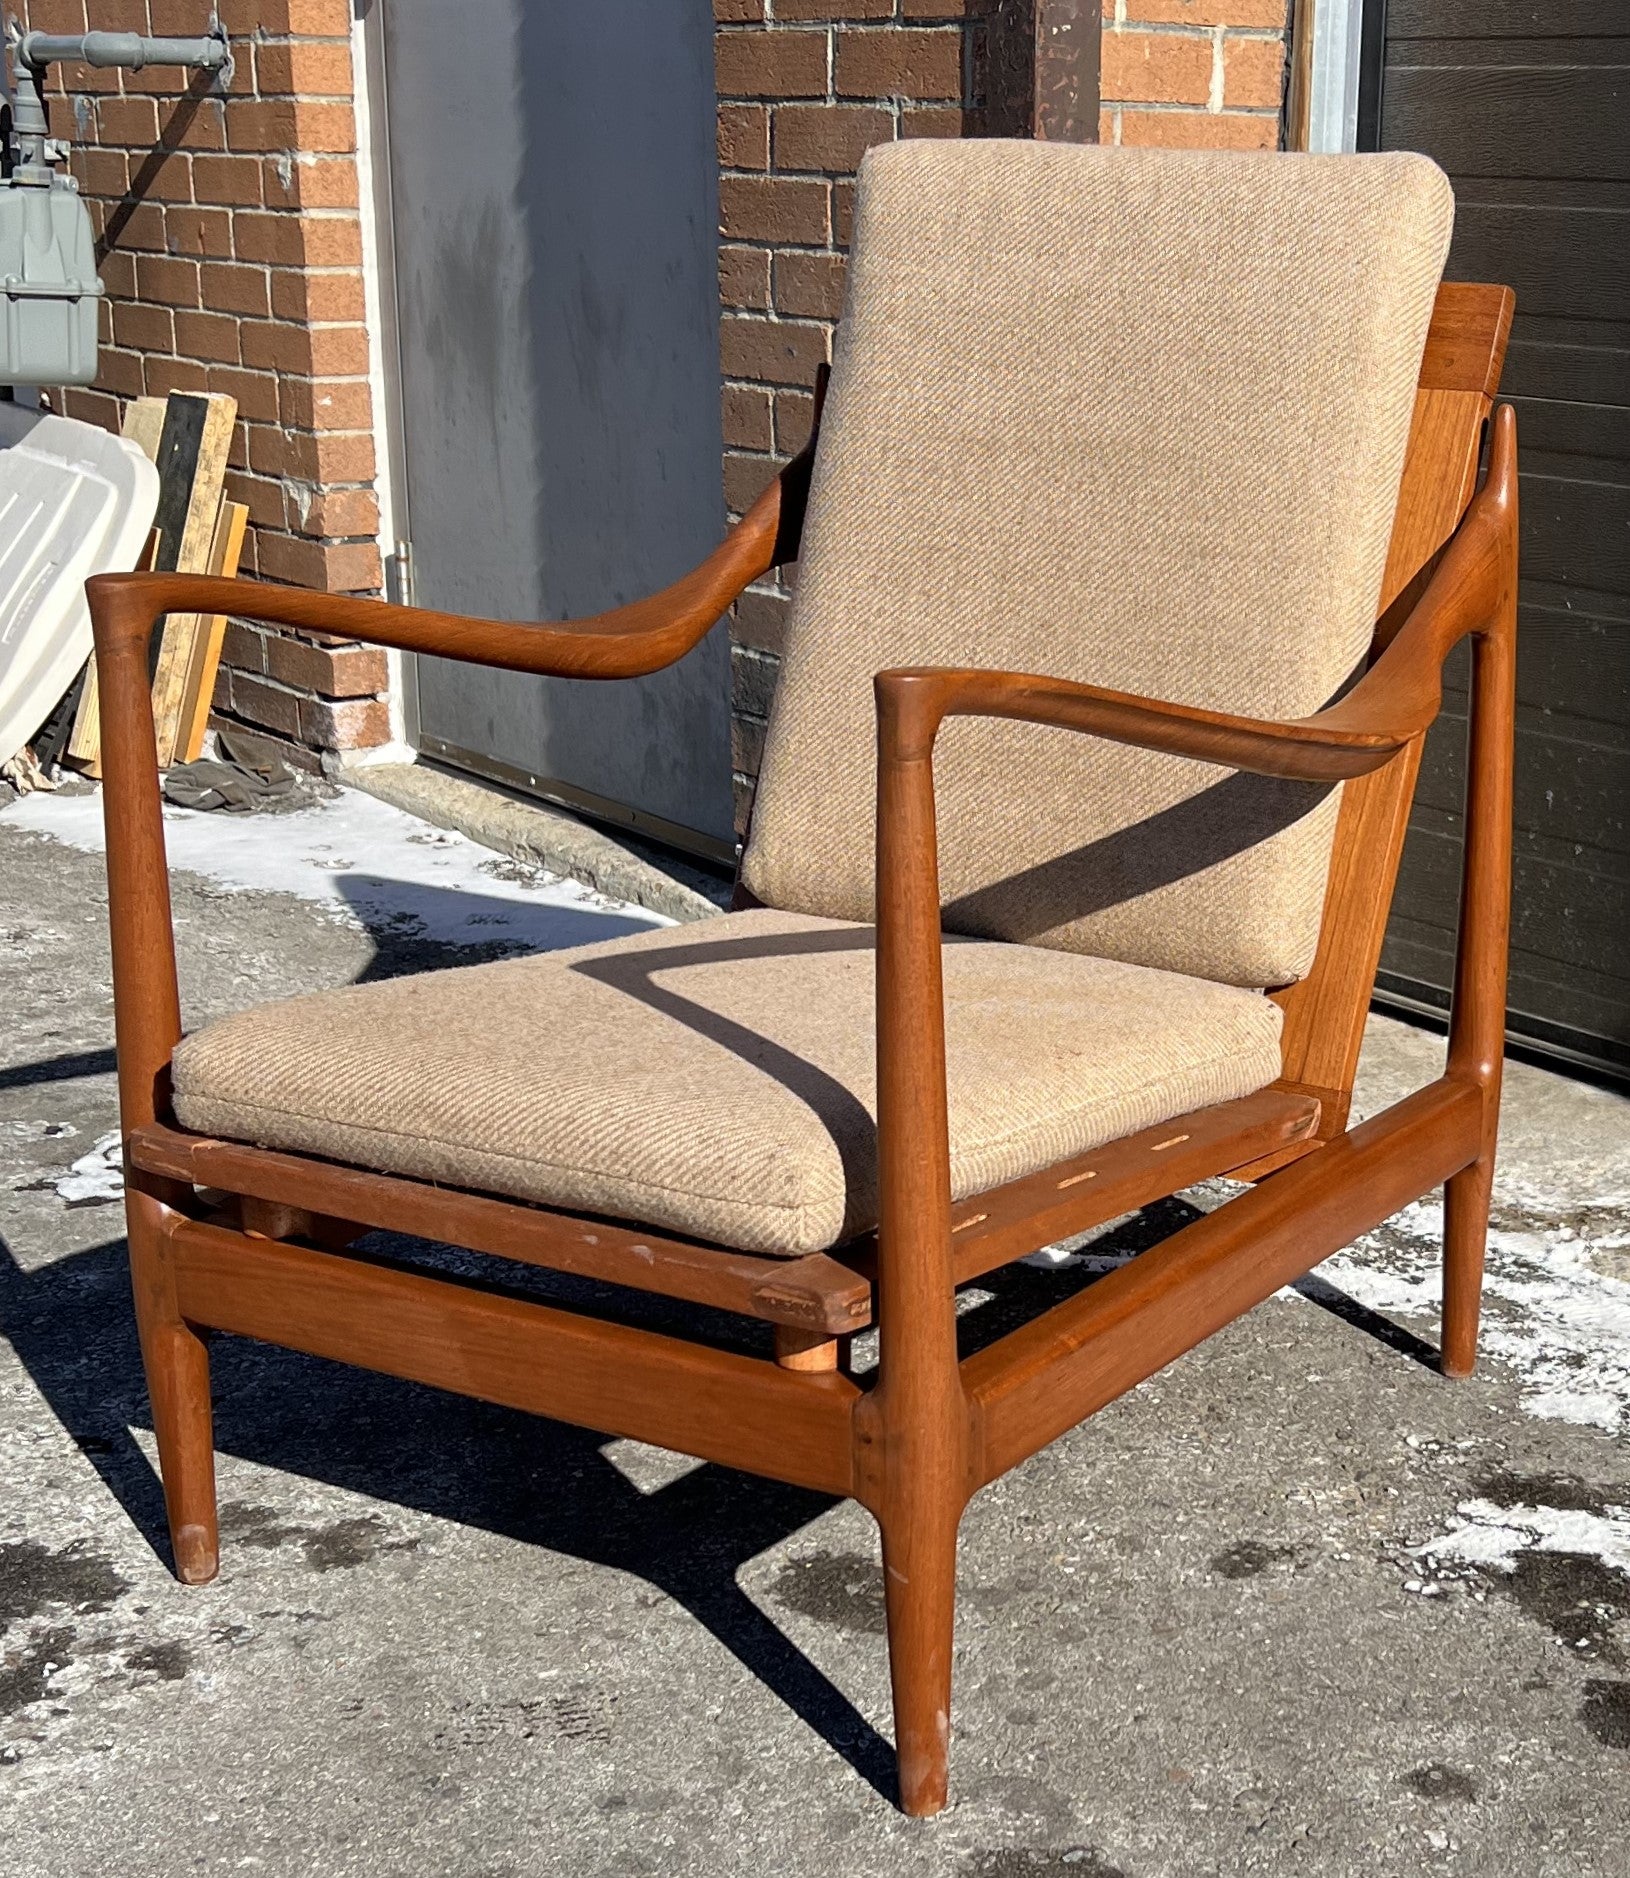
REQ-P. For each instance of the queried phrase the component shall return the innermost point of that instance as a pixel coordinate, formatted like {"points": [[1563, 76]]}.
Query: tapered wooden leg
{"points": [[1477, 1016], [176, 1360], [919, 1591], [1465, 1239]]}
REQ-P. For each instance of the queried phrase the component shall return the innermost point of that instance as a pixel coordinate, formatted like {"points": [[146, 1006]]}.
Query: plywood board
{"points": [[206, 650], [143, 425], [192, 463]]}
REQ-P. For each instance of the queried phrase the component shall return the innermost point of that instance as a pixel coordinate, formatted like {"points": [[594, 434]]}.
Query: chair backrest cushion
{"points": [[1131, 417]]}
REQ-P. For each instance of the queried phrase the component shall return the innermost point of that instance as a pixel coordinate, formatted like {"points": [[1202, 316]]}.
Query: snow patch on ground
{"points": [[368, 864], [96, 1178], [1495, 1536], [1551, 1307]]}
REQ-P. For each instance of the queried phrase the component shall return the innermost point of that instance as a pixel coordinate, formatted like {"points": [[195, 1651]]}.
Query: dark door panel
{"points": [[1570, 263], [1477, 22], [1527, 106], [1476, 116], [553, 194]]}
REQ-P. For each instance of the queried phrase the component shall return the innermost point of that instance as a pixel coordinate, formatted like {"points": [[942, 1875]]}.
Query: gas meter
{"points": [[48, 282]]}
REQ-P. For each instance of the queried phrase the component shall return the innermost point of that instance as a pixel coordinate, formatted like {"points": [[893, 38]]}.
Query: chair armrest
{"points": [[1471, 591], [1392, 704], [125, 608], [627, 642]]}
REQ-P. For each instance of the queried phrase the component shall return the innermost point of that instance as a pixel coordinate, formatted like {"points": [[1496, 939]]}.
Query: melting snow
{"points": [[1493, 1536], [98, 1176], [367, 864], [1551, 1307]]}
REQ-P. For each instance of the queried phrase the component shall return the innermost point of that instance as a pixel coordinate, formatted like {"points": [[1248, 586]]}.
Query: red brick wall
{"points": [[805, 88], [1194, 73], [229, 242], [233, 244]]}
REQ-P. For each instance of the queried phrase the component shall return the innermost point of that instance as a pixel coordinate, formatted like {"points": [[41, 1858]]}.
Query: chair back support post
{"points": [[1477, 1012], [1325, 1012]]}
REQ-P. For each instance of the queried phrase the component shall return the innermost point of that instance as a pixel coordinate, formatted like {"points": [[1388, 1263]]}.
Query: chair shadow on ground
{"points": [[542, 1483], [539, 1482]]}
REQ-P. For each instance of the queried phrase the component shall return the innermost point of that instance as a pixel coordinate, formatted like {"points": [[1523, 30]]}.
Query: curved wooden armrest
{"points": [[626, 642], [1394, 702]]}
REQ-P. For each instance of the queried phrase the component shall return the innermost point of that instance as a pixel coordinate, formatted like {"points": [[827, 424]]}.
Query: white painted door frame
{"points": [[1338, 36], [384, 364]]}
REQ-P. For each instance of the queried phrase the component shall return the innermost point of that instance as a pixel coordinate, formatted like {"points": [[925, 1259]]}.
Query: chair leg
{"points": [[919, 1593], [1465, 1240], [1478, 1012], [176, 1360]]}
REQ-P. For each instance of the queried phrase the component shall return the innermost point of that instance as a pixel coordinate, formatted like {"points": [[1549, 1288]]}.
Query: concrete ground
{"points": [[1297, 1605]]}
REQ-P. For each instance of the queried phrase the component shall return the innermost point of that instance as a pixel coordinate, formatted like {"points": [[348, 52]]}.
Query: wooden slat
{"points": [[1008, 1222], [1440, 476], [740, 1411], [813, 1293], [84, 749], [1325, 1013], [1299, 91], [1028, 1388], [198, 687], [144, 424], [192, 466]]}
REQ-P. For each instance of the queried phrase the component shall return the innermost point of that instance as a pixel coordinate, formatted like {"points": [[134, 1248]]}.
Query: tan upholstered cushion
{"points": [[716, 1079], [1132, 417]]}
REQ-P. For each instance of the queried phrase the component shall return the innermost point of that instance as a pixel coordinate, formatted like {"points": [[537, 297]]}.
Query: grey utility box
{"points": [[48, 286]]}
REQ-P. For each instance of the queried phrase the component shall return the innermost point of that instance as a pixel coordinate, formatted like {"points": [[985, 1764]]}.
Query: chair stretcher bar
{"points": [[736, 1410], [1026, 1390]]}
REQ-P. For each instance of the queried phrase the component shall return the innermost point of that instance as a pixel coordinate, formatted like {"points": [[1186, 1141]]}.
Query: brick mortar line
{"points": [[1118, 105], [814, 176], [787, 247], [1176, 29], [892, 101]]}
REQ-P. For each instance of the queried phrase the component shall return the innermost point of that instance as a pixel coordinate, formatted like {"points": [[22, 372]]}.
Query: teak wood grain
{"points": [[735, 1410], [1324, 1014], [1008, 1222], [811, 1293], [924, 1431], [1043, 1379]]}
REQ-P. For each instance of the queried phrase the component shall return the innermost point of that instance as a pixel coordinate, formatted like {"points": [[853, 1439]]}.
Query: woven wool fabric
{"points": [[717, 1079], [1131, 417]]}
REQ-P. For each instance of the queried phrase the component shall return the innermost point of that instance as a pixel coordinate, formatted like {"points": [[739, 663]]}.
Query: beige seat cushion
{"points": [[1131, 417], [716, 1079]]}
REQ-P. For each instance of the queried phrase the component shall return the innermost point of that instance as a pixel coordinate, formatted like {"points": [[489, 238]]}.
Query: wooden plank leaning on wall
{"points": [[196, 532]]}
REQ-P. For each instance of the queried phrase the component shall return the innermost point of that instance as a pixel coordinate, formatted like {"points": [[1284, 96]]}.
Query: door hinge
{"points": [[399, 582]]}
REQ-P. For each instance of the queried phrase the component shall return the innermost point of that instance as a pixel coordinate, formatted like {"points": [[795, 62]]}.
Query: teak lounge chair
{"points": [[1125, 455]]}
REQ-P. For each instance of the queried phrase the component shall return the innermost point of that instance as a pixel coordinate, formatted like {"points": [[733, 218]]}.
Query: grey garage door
{"points": [[1526, 104], [553, 212]]}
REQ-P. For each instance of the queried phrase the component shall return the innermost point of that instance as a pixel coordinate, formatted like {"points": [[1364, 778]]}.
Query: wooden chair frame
{"points": [[925, 1432]]}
